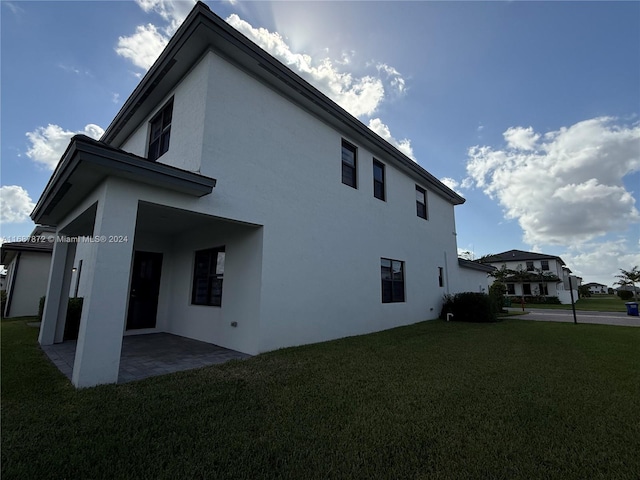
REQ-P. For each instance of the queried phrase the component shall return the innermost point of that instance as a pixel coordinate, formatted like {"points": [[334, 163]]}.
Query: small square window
{"points": [[421, 202], [349, 164], [530, 267]]}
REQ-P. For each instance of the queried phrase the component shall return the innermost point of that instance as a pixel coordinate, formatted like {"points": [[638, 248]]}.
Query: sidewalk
{"points": [[602, 318]]}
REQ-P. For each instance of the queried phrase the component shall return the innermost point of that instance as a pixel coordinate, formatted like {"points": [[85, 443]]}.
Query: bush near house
{"points": [[543, 300], [3, 301], [470, 307], [625, 294]]}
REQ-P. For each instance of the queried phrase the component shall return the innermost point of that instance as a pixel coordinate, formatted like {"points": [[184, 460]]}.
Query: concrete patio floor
{"points": [[145, 356]]}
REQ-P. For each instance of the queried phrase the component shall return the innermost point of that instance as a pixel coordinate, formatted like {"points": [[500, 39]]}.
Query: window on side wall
{"points": [[160, 132], [349, 164], [529, 266], [421, 202], [208, 273], [545, 264], [440, 276], [526, 289], [392, 273], [378, 180]]}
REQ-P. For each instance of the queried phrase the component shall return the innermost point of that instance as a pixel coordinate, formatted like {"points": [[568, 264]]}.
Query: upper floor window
{"points": [[530, 267], [392, 272], [349, 171], [160, 132], [421, 202], [207, 277], [378, 180], [545, 264]]}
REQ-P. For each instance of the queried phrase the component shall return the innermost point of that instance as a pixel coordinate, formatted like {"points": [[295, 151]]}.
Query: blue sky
{"points": [[530, 110]]}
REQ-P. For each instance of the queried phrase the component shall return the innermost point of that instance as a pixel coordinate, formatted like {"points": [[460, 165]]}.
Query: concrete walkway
{"points": [[602, 318], [145, 356]]}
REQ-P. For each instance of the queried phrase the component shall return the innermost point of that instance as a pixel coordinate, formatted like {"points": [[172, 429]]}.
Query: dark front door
{"points": [[145, 288]]}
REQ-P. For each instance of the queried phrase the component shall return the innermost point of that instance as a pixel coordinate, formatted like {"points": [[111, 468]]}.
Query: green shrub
{"points": [[625, 294], [447, 306], [497, 292], [473, 307]]}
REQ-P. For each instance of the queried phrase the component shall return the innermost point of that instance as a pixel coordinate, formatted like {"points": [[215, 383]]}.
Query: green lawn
{"points": [[436, 400], [595, 303]]}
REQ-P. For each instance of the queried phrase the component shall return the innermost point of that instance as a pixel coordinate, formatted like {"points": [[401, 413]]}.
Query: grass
{"points": [[435, 400], [596, 303]]}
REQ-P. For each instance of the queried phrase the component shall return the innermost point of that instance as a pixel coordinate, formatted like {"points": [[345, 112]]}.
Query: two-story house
{"points": [[231, 202], [530, 274]]}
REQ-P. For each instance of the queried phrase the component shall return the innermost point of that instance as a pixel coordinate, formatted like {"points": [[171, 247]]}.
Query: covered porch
{"points": [[141, 223]]}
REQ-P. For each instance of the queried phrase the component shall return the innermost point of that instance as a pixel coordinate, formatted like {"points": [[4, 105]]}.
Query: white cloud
{"points": [[381, 129], [360, 96], [601, 262], [452, 183], [15, 204], [49, 143], [564, 187], [172, 11], [143, 47], [520, 138]]}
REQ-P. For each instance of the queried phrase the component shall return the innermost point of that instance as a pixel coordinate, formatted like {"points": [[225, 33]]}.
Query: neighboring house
{"points": [[535, 275], [596, 288], [231, 202], [27, 265], [476, 277]]}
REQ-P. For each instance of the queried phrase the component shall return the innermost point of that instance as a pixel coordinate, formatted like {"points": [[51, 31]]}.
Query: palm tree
{"points": [[629, 277]]}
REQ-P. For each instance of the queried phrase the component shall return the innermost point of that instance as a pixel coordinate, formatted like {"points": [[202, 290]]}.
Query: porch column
{"points": [[55, 305], [104, 309]]}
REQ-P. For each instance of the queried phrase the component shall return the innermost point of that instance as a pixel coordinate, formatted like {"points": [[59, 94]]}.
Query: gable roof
{"points": [[475, 265], [519, 256], [203, 30]]}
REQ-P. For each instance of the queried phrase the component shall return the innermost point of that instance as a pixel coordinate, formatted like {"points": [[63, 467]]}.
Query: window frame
{"points": [[352, 168], [544, 264], [393, 285], [382, 183], [423, 192], [211, 278], [530, 266], [158, 145]]}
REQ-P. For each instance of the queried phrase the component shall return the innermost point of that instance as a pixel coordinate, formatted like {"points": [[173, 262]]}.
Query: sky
{"points": [[530, 110]]}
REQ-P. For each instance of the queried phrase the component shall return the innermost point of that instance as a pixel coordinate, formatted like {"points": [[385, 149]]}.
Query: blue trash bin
{"points": [[632, 308]]}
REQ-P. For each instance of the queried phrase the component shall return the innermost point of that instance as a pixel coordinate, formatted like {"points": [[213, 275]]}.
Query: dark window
{"points": [[441, 276], [529, 266], [349, 164], [421, 202], [511, 289], [160, 132], [526, 289], [207, 277], [378, 180], [392, 272], [545, 264], [543, 289]]}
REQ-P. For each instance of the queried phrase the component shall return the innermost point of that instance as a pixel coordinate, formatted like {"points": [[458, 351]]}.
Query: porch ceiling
{"points": [[87, 162], [163, 220]]}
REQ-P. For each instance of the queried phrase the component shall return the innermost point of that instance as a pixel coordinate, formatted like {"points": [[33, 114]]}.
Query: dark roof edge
{"points": [[284, 74], [464, 263]]}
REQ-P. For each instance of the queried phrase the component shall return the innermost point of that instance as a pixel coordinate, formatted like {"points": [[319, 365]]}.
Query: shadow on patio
{"points": [[150, 355]]}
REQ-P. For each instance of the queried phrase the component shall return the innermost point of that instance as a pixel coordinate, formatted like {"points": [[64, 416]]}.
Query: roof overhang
{"points": [[9, 250], [475, 265], [87, 162], [203, 30]]}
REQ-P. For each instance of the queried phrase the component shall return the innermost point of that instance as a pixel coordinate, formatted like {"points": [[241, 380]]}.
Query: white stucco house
{"points": [[597, 288], [231, 202], [535, 275], [28, 263]]}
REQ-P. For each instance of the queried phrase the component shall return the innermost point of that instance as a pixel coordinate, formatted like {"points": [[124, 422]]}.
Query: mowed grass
{"points": [[595, 303], [435, 400]]}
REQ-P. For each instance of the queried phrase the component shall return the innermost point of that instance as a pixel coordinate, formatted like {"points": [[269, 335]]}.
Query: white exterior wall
{"points": [[470, 280], [29, 284], [312, 272]]}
